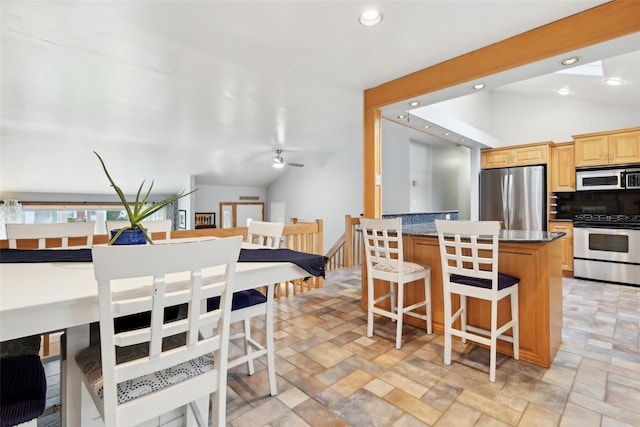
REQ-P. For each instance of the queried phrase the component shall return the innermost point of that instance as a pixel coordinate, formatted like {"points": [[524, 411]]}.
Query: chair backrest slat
{"points": [[63, 231]]}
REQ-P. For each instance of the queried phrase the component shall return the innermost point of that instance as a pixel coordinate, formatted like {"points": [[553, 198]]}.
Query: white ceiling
{"points": [[165, 90]]}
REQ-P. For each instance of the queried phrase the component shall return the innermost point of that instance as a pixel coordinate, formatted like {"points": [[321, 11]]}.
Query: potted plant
{"points": [[140, 211]]}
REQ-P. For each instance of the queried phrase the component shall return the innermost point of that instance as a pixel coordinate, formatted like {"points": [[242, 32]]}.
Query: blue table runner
{"points": [[312, 263]]}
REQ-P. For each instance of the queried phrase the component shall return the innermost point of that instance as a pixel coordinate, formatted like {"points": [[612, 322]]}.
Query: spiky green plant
{"points": [[140, 211]]}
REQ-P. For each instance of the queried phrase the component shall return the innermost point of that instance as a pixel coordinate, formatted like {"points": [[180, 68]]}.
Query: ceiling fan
{"points": [[278, 161]]}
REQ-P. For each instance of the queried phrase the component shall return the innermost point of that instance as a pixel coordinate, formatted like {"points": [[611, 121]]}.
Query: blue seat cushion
{"points": [[143, 320], [23, 387], [504, 281], [241, 299]]}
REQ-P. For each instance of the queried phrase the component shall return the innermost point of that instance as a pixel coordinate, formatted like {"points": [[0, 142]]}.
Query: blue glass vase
{"points": [[129, 237]]}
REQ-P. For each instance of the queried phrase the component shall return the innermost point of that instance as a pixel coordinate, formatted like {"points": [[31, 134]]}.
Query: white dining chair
{"points": [[253, 303], [136, 375], [385, 261], [469, 256], [153, 226], [63, 231], [266, 234], [42, 232]]}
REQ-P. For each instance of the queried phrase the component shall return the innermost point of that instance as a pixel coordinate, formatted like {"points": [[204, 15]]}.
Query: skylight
{"points": [[592, 69]]}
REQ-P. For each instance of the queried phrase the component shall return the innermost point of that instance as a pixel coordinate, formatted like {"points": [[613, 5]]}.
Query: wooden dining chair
{"points": [[469, 256], [57, 235], [252, 303], [153, 227], [385, 261], [137, 375]]}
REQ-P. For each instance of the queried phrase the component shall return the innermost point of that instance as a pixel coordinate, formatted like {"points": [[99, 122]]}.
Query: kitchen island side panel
{"points": [[538, 265]]}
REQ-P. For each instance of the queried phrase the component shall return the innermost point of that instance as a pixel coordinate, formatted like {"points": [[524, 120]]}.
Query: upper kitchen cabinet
{"points": [[523, 155], [608, 148], [563, 170]]}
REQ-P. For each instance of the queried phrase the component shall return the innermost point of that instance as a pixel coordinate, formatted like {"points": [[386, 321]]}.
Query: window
{"points": [[54, 213]]}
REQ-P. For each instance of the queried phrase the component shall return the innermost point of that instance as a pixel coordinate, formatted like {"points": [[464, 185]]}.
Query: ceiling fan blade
{"points": [[298, 165]]}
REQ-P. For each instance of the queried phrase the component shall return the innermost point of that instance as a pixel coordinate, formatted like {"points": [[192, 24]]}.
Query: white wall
{"points": [[525, 119], [326, 188], [420, 184], [451, 177], [474, 110], [208, 197], [396, 179]]}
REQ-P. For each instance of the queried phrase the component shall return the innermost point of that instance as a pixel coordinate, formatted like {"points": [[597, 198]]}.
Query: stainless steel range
{"points": [[607, 247]]}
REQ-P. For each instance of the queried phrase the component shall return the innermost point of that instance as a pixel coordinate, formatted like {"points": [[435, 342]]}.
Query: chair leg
{"points": [[494, 340], [394, 305], [370, 296], [271, 356], [399, 314], [197, 412], [248, 349], [427, 297], [515, 330], [447, 328], [463, 316], [45, 345]]}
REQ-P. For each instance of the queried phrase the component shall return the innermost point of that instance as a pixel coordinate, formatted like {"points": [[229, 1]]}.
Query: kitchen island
{"points": [[533, 256]]}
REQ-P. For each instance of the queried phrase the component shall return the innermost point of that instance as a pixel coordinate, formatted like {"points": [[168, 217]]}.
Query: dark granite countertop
{"points": [[507, 236]]}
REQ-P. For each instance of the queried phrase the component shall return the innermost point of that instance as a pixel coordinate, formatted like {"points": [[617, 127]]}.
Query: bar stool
{"points": [[469, 255], [383, 248]]}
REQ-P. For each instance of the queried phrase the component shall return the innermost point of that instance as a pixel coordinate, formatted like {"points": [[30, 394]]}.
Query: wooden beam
{"points": [[602, 23]]}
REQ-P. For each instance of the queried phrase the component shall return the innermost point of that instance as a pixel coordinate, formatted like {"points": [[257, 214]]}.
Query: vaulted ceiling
{"points": [[170, 89]]}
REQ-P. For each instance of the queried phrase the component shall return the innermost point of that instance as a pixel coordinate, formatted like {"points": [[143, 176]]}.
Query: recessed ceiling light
{"points": [[427, 126], [570, 61], [479, 86], [414, 103], [446, 134], [402, 116], [613, 81], [564, 91], [370, 17]]}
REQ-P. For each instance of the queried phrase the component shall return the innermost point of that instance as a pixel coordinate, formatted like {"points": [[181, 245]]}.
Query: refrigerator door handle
{"points": [[506, 198]]}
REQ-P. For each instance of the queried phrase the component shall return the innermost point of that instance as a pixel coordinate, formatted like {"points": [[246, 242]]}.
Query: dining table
{"points": [[40, 296]]}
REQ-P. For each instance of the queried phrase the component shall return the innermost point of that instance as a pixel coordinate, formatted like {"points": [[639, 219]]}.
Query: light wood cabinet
{"points": [[624, 148], [567, 242], [608, 148], [563, 169], [525, 155]]}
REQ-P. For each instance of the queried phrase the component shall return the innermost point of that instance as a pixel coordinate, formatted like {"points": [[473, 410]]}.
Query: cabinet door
{"points": [[624, 148], [592, 151], [567, 242], [495, 159], [536, 155], [563, 170]]}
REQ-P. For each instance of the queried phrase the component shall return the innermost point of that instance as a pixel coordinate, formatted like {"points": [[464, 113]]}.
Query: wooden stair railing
{"points": [[306, 238], [347, 251]]}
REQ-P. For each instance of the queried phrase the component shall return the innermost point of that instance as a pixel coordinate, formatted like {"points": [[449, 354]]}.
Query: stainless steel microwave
{"points": [[607, 179]]}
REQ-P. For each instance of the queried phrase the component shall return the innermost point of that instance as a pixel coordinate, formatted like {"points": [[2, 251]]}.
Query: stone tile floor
{"points": [[331, 374]]}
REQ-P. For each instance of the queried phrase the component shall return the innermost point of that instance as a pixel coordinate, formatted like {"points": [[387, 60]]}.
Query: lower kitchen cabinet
{"points": [[567, 242]]}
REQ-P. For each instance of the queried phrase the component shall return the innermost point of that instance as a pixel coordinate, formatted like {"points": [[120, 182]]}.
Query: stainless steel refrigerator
{"points": [[515, 196]]}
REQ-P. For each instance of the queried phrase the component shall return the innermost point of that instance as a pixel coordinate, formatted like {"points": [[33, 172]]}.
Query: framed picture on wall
{"points": [[182, 219]]}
